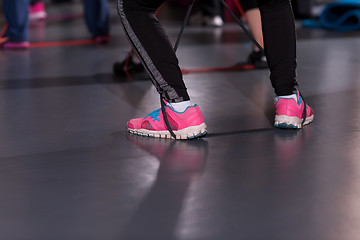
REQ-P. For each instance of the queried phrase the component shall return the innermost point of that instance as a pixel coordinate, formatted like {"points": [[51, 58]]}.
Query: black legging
{"points": [[280, 44], [156, 53], [248, 4]]}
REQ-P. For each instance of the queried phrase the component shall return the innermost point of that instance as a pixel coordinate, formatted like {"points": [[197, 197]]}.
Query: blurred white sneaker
{"points": [[213, 21], [199, 19]]}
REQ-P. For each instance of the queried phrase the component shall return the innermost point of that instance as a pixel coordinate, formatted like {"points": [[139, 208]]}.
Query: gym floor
{"points": [[70, 170]]}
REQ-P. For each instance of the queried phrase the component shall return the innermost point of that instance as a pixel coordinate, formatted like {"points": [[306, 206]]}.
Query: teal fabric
{"points": [[340, 16]]}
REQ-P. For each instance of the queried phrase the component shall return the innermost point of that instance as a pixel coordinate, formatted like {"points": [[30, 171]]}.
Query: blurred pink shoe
{"points": [[16, 45], [102, 38], [186, 125], [37, 12], [290, 112]]}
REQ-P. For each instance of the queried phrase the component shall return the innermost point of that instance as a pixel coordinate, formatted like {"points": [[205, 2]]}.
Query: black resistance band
{"points": [[177, 45]]}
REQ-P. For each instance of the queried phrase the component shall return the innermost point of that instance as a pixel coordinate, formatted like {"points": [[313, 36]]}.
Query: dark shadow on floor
{"points": [[180, 163]]}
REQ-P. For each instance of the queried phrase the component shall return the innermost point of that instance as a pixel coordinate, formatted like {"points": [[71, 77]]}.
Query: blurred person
{"points": [[97, 19], [156, 53], [251, 9], [18, 12], [17, 16]]}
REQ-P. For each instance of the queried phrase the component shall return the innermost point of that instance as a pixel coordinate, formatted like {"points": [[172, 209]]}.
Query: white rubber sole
{"points": [[186, 133], [284, 121], [37, 16]]}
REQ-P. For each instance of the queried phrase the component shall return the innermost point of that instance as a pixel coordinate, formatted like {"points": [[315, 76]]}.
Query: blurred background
{"points": [[70, 170]]}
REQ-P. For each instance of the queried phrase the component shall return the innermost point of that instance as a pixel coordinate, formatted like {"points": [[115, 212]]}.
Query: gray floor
{"points": [[70, 171]]}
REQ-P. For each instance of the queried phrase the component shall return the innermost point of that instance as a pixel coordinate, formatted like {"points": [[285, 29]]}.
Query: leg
{"points": [[156, 53], [254, 21], [256, 57], [97, 17], [149, 40], [280, 44], [16, 14], [252, 13], [280, 48]]}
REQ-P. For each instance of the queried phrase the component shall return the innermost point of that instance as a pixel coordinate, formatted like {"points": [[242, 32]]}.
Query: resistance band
{"points": [[240, 9], [201, 70], [162, 101], [242, 26]]}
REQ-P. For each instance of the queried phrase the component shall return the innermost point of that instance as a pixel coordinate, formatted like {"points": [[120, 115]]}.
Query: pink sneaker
{"points": [[37, 12], [102, 38], [16, 45], [290, 112], [186, 125]]}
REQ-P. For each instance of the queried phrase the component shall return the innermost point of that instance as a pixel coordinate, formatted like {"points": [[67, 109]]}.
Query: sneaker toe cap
{"points": [[135, 123], [309, 111], [129, 125]]}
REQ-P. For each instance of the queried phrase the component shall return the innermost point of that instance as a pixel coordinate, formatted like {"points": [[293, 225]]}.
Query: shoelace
{"points": [[154, 115], [175, 48], [242, 25], [163, 108], [305, 105]]}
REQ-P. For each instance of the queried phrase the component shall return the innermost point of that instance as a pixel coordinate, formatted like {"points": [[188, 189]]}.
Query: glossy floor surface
{"points": [[69, 169]]}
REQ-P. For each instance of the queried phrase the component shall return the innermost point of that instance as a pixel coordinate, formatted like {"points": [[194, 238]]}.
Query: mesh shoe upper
{"points": [[290, 112], [192, 116], [185, 125]]}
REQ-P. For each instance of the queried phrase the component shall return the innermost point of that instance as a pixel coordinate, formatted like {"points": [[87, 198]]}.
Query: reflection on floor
{"points": [[69, 170]]}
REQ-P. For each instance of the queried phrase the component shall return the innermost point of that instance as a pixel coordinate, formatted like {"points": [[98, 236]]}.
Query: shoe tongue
{"points": [[294, 96], [180, 106]]}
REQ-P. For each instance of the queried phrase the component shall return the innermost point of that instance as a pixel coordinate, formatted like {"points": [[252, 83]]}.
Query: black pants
{"points": [[248, 4], [156, 53]]}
